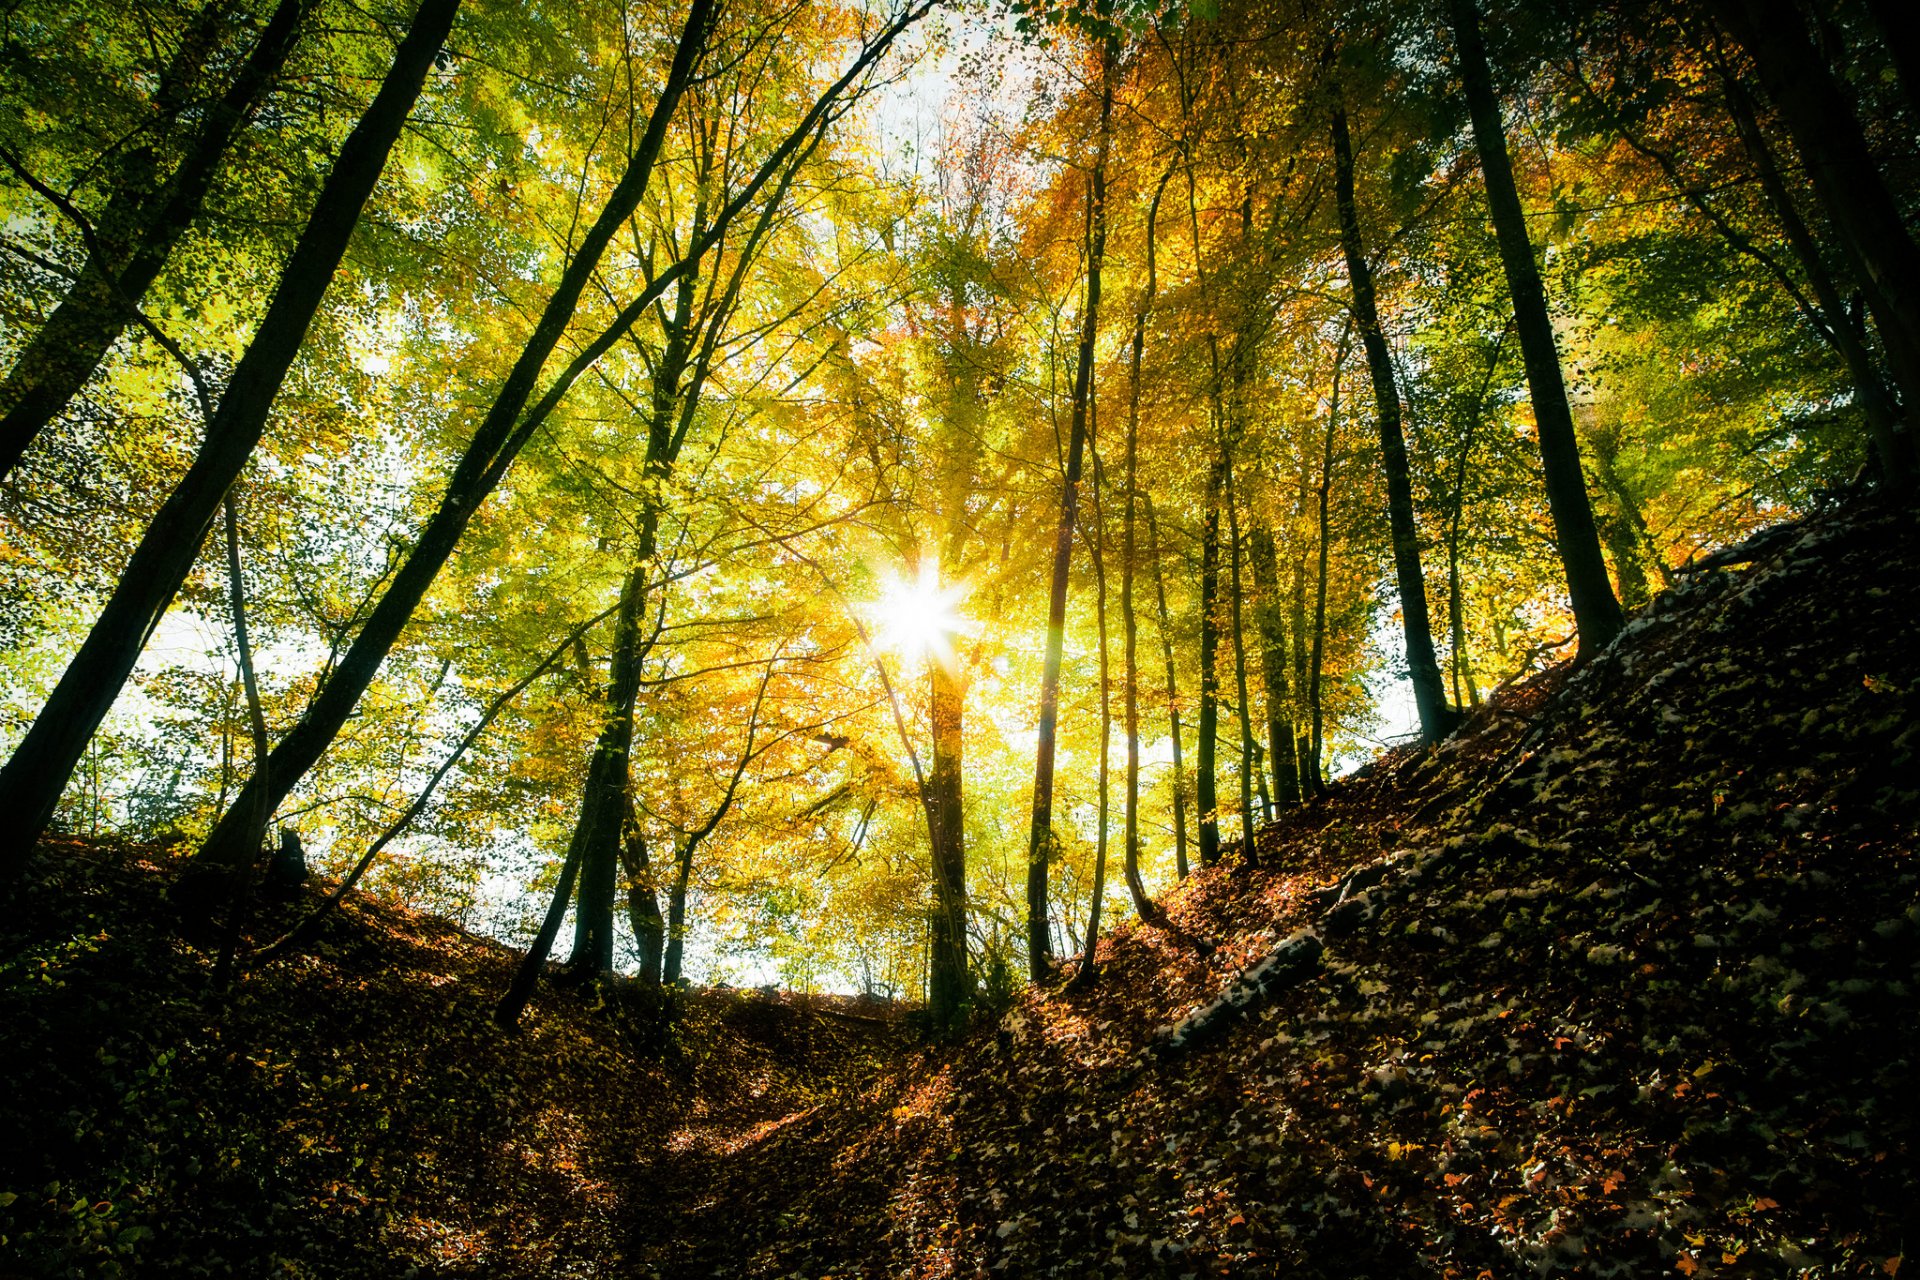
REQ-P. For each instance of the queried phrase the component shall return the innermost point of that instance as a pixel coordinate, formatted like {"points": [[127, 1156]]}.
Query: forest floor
{"points": [[1630, 990]]}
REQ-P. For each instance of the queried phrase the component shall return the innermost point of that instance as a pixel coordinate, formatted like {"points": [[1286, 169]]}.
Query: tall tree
{"points": [[1273, 665], [31, 782], [1040, 841], [506, 428], [1596, 611], [1429, 694], [130, 241]]}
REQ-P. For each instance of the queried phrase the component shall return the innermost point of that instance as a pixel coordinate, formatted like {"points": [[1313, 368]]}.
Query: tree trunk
{"points": [[949, 984], [1841, 166], [1173, 695], [643, 898], [1302, 740], [1249, 767], [31, 782], [1596, 612], [1429, 696], [1899, 26], [1096, 541], [1273, 666], [480, 469], [134, 236], [1143, 904], [1040, 841], [677, 913], [1894, 443], [1316, 774], [1205, 799]]}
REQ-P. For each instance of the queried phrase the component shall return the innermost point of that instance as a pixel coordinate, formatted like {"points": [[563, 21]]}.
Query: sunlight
{"points": [[917, 616]]}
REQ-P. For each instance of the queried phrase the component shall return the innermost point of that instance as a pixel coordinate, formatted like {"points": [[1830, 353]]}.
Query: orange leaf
{"points": [[1685, 1264]]}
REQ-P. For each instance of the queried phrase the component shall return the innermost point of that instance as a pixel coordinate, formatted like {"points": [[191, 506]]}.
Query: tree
{"points": [[31, 782], [1596, 611], [1429, 696]]}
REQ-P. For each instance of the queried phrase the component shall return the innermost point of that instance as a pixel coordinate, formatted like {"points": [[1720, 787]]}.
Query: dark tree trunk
{"points": [[1840, 165], [1273, 666], [1302, 740], [1040, 841], [1173, 694], [677, 913], [605, 801], [1894, 444], [1249, 767], [1316, 773], [1143, 904], [1899, 24], [1096, 546], [485, 462], [643, 899], [527, 976], [1204, 797], [1429, 695], [31, 783], [1596, 612], [950, 986], [134, 236]]}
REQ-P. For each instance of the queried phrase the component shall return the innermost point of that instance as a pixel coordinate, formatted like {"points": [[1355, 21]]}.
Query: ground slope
{"points": [[355, 1112], [1634, 994], [1625, 985]]}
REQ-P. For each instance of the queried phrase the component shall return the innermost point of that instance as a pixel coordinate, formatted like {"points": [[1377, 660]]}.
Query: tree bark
{"points": [[1429, 695], [1896, 445], [950, 986], [134, 236], [1204, 797], [1143, 903], [1596, 612], [31, 782], [1273, 666], [1040, 842], [1096, 542], [1840, 164], [1316, 773], [1249, 767], [1173, 694]]}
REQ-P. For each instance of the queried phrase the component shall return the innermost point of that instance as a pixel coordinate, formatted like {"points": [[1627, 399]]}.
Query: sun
{"points": [[917, 616]]}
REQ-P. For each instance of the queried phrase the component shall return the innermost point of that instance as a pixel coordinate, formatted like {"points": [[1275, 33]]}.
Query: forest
{"points": [[795, 560]]}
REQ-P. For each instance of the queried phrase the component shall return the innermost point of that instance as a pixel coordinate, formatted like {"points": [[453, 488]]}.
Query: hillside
{"points": [[1625, 985]]}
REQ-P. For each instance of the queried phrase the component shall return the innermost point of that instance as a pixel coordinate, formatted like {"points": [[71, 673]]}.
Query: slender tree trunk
{"points": [[1040, 842], [677, 914], [1429, 696], [1249, 768], [31, 782], [1273, 666], [1173, 694], [135, 234], [643, 900], [1840, 164], [527, 975], [1899, 28], [1302, 739], [1895, 445], [950, 986], [1096, 542], [1204, 797], [1143, 904], [1317, 773], [1596, 612], [605, 801]]}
